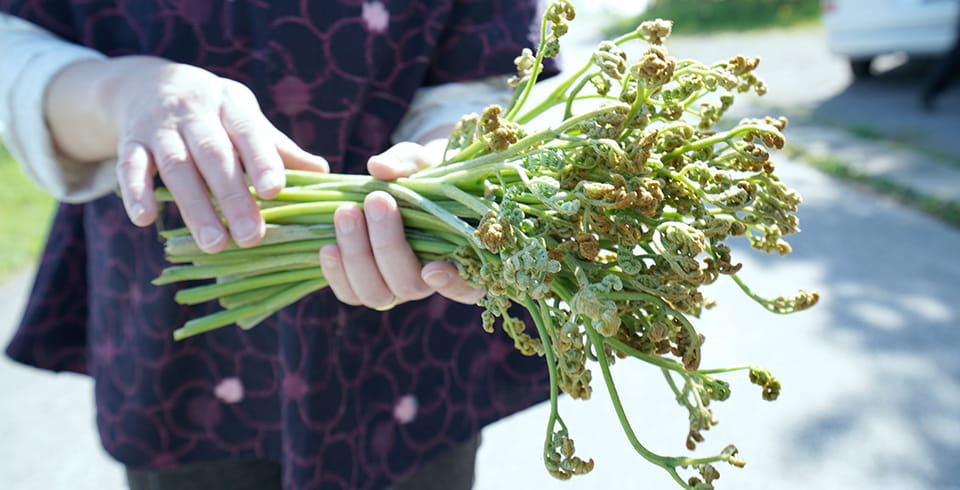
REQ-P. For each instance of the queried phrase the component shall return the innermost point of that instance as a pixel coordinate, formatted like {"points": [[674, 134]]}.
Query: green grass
{"points": [[26, 216], [700, 16], [945, 210], [911, 140]]}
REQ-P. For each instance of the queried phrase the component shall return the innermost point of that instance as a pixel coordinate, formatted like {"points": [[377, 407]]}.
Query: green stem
{"points": [[247, 297], [516, 149], [185, 245], [540, 320], [531, 78], [253, 253], [759, 299], [307, 194], [568, 107], [193, 272], [666, 463], [448, 190], [649, 358], [208, 292], [713, 140], [558, 95], [226, 317]]}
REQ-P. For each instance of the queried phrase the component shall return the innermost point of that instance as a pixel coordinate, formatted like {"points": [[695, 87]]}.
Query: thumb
{"points": [[401, 160], [297, 158]]}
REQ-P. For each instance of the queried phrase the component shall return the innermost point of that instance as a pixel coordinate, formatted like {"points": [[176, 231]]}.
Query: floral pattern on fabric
{"points": [[344, 397]]}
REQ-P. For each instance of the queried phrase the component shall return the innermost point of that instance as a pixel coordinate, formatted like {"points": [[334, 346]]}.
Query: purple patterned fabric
{"points": [[345, 397]]}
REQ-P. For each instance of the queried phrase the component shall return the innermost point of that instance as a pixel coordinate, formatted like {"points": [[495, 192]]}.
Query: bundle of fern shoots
{"points": [[604, 226]]}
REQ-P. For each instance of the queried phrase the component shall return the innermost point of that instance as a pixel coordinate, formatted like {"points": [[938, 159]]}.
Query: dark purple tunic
{"points": [[344, 397]]}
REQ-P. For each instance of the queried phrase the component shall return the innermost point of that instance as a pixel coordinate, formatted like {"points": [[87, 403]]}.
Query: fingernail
{"points": [[387, 159], [209, 236], [436, 279], [272, 180], [402, 167], [329, 260], [345, 223], [136, 211], [244, 229], [375, 211]]}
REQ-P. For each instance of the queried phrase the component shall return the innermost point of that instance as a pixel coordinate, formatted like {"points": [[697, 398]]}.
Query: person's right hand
{"points": [[203, 134]]}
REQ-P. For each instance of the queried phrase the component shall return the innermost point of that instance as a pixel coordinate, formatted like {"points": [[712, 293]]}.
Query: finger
{"points": [[214, 157], [135, 172], [398, 264], [297, 158], [357, 258], [332, 265], [400, 160], [445, 279], [248, 132], [182, 179]]}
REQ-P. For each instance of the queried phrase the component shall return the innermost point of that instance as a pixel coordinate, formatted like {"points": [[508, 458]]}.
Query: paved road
{"points": [[806, 81], [871, 378], [47, 434]]}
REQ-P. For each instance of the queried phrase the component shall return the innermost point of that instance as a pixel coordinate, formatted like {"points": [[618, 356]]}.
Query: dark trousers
{"points": [[450, 471]]}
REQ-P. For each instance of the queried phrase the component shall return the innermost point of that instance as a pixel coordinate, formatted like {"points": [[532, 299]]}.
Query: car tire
{"points": [[861, 68]]}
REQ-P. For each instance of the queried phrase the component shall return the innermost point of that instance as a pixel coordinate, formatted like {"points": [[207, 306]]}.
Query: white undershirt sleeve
{"points": [[446, 104], [31, 57]]}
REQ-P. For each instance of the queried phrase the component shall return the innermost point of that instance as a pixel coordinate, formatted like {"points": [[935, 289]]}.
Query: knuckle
{"points": [[243, 128], [353, 251], [234, 199], [126, 166], [233, 88], [383, 247], [260, 165], [411, 291], [146, 126], [212, 148], [179, 103], [196, 211], [168, 163]]}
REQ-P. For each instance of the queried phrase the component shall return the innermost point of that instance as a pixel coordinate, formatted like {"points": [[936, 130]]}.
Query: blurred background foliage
{"points": [[25, 218], [699, 16]]}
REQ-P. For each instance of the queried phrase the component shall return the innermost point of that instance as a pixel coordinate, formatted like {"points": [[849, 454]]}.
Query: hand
{"points": [[203, 134], [372, 264]]}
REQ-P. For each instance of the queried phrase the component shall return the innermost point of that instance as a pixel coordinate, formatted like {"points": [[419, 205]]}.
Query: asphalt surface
{"points": [[871, 376]]}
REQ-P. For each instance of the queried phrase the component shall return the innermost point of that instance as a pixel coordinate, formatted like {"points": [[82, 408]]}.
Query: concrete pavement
{"points": [[48, 438]]}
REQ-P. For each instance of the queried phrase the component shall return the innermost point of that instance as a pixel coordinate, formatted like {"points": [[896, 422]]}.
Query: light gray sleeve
{"points": [[31, 57], [447, 103]]}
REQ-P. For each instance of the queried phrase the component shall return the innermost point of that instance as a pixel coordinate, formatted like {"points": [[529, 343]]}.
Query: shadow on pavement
{"points": [[889, 312], [888, 106]]}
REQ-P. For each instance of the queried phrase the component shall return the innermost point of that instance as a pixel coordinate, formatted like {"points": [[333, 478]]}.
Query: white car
{"points": [[860, 30]]}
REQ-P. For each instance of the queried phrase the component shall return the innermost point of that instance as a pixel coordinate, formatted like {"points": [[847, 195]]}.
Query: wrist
{"points": [[75, 108], [87, 103]]}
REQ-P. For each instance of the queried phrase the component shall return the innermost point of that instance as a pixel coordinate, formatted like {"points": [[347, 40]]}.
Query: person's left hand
{"points": [[372, 264]]}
